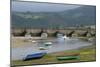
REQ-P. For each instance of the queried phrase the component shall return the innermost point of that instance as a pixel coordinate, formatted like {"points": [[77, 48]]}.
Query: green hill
{"points": [[85, 15]]}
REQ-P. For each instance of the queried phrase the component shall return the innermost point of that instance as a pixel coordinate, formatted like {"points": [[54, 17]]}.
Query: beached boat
{"points": [[34, 41], [48, 43], [34, 56], [68, 57], [42, 48]]}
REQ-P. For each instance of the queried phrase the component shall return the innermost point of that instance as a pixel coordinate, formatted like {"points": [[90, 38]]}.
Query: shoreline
{"points": [[86, 54]]}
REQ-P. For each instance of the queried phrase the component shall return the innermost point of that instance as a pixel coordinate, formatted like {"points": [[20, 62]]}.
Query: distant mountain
{"points": [[85, 15]]}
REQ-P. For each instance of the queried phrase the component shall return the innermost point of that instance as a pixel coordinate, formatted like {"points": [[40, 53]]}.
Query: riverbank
{"points": [[24, 41], [85, 54]]}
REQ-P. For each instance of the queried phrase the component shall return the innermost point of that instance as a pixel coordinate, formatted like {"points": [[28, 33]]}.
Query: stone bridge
{"points": [[53, 32]]}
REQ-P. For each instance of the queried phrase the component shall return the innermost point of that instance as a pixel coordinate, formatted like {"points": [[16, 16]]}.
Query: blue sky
{"points": [[40, 7]]}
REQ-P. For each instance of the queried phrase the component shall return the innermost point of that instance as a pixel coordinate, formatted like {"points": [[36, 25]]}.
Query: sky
{"points": [[40, 7]]}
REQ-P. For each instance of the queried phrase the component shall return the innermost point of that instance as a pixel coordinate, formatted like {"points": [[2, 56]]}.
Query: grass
{"points": [[88, 54], [85, 54]]}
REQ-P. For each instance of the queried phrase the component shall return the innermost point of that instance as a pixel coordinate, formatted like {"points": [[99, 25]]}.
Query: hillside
{"points": [[85, 15]]}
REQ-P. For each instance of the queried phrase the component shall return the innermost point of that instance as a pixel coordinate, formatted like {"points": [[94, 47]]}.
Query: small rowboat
{"points": [[68, 58], [34, 56], [33, 41], [48, 43], [42, 48]]}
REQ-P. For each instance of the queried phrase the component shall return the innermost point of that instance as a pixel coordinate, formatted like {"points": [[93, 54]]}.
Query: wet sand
{"points": [[22, 41], [21, 47]]}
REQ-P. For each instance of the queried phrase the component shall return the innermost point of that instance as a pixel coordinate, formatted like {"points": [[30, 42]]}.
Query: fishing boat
{"points": [[34, 56], [68, 57], [34, 41], [48, 43], [42, 48]]}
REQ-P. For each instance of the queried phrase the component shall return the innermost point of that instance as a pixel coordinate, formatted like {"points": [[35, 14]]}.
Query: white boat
{"points": [[42, 48], [34, 41], [49, 43]]}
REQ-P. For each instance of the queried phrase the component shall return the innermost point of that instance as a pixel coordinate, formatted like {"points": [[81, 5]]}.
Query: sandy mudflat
{"points": [[21, 41], [22, 46]]}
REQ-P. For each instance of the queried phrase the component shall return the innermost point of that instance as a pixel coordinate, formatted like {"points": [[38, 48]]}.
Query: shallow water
{"points": [[59, 44]]}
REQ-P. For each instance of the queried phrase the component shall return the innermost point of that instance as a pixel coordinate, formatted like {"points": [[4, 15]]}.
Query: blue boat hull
{"points": [[34, 56]]}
